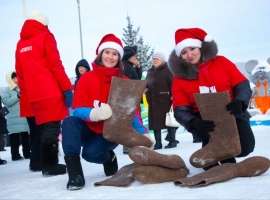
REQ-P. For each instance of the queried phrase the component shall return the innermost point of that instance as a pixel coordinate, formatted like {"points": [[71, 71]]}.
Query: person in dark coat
{"points": [[198, 69], [81, 67], [132, 68], [3, 129], [159, 98]]}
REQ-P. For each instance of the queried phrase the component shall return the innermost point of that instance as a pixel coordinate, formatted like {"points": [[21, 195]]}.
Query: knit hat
{"points": [[190, 37], [39, 16], [160, 56], [13, 75], [110, 41], [129, 51]]}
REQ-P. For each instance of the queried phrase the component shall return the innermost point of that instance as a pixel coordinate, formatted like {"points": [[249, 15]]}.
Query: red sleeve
{"points": [[80, 98], [55, 64], [235, 75], [19, 72], [178, 96]]}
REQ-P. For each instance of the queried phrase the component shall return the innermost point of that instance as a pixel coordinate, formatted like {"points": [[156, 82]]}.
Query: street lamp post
{"points": [[78, 1]]}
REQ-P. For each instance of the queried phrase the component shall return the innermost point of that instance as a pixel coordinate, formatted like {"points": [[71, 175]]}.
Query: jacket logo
{"points": [[204, 89], [29, 48]]}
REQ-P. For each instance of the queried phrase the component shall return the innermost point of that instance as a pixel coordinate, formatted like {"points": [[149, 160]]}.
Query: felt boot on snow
{"points": [[253, 166], [49, 160], [122, 178], [224, 141], [124, 99], [146, 156], [111, 166], [157, 174], [172, 141], [158, 144], [75, 173]]}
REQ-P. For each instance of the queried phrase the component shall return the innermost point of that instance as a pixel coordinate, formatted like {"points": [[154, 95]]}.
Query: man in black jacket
{"points": [[132, 68]]}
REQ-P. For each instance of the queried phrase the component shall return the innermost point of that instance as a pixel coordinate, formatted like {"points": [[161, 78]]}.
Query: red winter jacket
{"points": [[223, 73], [39, 68]]}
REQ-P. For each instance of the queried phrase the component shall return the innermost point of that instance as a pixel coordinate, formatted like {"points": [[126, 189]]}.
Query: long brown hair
{"points": [[118, 65]]}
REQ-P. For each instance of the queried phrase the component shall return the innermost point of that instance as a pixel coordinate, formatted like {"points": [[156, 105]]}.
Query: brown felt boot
{"points": [[146, 156], [125, 96], [157, 174], [224, 141], [122, 178], [253, 166]]}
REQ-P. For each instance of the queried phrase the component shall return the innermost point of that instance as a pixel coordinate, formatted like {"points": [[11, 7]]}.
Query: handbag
{"points": [[170, 120]]}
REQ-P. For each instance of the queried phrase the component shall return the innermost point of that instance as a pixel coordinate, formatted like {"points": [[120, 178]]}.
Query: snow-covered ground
{"points": [[17, 182]]}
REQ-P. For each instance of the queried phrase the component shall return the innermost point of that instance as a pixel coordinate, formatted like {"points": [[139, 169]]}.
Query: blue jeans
{"points": [[76, 134]]}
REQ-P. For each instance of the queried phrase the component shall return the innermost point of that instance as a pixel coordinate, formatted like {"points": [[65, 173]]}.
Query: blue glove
{"points": [[68, 98]]}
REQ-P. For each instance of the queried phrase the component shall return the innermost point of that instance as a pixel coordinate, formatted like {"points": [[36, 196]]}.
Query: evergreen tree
{"points": [[144, 52]]}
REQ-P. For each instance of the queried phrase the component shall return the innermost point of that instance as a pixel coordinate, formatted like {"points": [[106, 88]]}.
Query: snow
{"points": [[18, 182]]}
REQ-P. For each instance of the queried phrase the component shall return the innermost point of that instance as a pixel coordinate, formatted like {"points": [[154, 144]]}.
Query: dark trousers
{"points": [[2, 141], [15, 144], [50, 131], [247, 139], [76, 134], [35, 139]]}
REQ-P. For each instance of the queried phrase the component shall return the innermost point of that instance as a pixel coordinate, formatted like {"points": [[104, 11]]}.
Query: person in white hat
{"points": [[46, 91], [159, 98], [90, 107], [198, 69]]}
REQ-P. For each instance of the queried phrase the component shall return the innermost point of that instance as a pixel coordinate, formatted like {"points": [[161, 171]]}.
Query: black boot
{"points": [[75, 173], [158, 144], [35, 165], [49, 160], [172, 143], [211, 166], [2, 162], [14, 146], [111, 166], [167, 138]]}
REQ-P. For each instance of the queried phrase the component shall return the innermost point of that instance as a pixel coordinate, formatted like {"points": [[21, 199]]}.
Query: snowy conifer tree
{"points": [[144, 52]]}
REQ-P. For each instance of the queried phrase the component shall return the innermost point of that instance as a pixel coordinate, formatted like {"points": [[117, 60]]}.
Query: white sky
{"points": [[240, 27], [17, 182]]}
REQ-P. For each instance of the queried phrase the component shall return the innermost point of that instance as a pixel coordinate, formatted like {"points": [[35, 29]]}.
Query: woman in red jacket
{"points": [[84, 129], [198, 69], [44, 85]]}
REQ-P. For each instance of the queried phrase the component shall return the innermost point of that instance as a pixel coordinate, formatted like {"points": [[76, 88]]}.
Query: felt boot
{"points": [[158, 144], [253, 166], [146, 156], [75, 173], [157, 174], [111, 166], [49, 160], [172, 143], [224, 141], [122, 178], [124, 99]]}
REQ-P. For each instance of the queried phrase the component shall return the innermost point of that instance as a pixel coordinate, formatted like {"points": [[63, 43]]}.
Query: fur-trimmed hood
{"points": [[185, 70], [10, 82]]}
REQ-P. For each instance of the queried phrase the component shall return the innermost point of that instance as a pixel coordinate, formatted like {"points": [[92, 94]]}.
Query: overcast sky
{"points": [[240, 27]]}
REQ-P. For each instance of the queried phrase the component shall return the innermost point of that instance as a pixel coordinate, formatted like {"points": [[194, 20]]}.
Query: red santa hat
{"points": [[110, 41], [39, 16], [190, 37]]}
